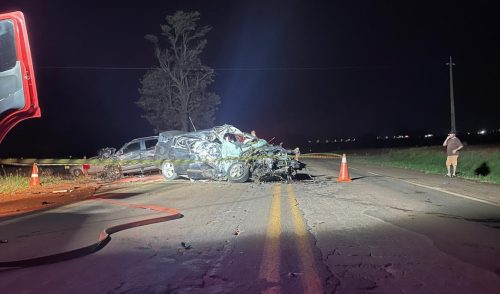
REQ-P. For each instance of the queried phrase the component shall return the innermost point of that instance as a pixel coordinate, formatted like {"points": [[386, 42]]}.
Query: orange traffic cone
{"points": [[35, 180], [344, 171]]}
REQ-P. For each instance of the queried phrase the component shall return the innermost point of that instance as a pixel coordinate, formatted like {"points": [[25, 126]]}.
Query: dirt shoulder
{"points": [[45, 197], [55, 195]]}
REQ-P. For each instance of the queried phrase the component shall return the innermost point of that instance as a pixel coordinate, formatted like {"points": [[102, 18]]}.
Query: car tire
{"points": [[77, 172], [238, 172], [168, 170]]}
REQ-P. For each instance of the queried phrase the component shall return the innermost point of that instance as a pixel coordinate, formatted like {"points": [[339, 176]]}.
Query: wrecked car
{"points": [[223, 153], [92, 169], [133, 157], [137, 155]]}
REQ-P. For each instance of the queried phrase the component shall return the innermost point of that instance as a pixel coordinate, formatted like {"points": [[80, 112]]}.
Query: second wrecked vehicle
{"points": [[223, 153], [133, 157]]}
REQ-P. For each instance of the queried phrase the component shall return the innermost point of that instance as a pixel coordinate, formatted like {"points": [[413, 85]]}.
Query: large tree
{"points": [[178, 88]]}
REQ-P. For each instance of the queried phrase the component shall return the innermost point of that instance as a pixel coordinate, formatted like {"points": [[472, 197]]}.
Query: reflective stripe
{"points": [[34, 175]]}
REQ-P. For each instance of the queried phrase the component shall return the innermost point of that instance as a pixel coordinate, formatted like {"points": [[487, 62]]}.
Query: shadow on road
{"points": [[117, 195]]}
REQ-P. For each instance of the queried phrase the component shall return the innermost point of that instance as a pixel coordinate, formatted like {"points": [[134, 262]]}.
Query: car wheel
{"points": [[168, 170], [238, 172], [77, 172]]}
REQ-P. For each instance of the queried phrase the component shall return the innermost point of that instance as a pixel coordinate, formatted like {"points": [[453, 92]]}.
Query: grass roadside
{"points": [[480, 163], [18, 183]]}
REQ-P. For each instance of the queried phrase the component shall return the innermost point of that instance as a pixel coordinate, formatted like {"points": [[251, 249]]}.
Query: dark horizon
{"points": [[288, 69]]}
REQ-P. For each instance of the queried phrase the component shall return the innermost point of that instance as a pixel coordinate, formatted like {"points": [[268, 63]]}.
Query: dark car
{"points": [[130, 153], [222, 153], [135, 156]]}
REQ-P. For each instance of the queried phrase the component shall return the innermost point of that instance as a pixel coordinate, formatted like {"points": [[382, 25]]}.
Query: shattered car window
{"points": [[150, 143], [132, 147]]}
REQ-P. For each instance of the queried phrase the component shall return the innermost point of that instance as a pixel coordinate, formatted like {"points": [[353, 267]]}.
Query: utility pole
{"points": [[452, 98]]}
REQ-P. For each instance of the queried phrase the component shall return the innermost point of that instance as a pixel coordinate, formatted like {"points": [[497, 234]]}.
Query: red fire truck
{"points": [[18, 96]]}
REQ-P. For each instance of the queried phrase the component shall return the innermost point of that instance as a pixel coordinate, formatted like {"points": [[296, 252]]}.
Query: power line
{"points": [[452, 99], [223, 68], [93, 67]]}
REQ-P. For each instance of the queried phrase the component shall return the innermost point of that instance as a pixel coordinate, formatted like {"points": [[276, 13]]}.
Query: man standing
{"points": [[453, 145]]}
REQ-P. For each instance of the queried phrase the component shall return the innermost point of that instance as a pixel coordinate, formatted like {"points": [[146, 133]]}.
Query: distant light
{"points": [[406, 136], [354, 140], [310, 141], [348, 140], [468, 133], [341, 140], [317, 141], [482, 132], [327, 141], [386, 137], [429, 136]]}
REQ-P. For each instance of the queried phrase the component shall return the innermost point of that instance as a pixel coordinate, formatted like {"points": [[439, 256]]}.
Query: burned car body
{"points": [[222, 153]]}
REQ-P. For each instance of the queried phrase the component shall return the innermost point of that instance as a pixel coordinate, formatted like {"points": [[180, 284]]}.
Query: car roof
{"points": [[172, 133], [144, 138], [218, 131]]}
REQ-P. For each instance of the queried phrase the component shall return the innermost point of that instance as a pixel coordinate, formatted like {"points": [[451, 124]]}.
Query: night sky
{"points": [[295, 70]]}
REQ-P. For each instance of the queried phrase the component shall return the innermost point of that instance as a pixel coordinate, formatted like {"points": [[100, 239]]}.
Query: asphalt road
{"points": [[388, 231]]}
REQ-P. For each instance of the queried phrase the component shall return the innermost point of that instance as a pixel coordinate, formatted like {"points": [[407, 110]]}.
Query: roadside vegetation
{"points": [[13, 183], [480, 163]]}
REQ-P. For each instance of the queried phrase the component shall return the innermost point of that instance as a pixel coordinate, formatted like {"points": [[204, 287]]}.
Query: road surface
{"points": [[388, 231]]}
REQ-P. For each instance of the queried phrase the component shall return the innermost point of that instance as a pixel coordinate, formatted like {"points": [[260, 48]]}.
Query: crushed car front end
{"points": [[272, 162], [208, 154]]}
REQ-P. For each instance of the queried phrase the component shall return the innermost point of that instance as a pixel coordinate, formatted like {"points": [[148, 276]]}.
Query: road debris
{"points": [[186, 245], [63, 191], [293, 275]]}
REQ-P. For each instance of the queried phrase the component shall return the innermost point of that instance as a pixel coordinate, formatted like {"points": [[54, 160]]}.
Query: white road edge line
{"points": [[440, 190], [453, 193], [445, 191]]}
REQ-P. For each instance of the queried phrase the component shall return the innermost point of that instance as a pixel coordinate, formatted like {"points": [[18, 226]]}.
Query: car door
{"points": [[179, 152], [148, 153], [18, 96], [129, 156]]}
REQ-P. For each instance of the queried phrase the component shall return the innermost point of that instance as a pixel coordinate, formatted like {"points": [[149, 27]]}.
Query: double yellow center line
{"points": [[270, 265]]}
